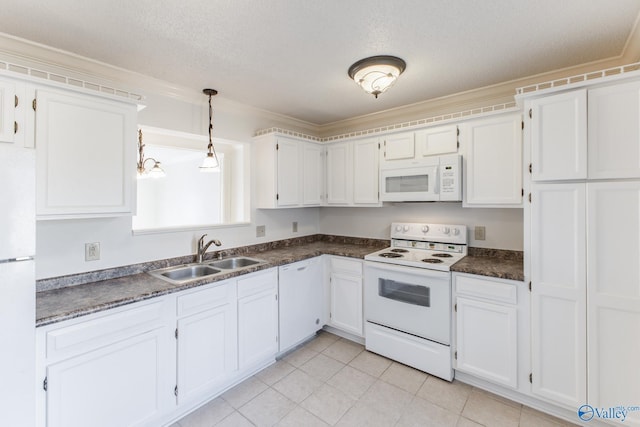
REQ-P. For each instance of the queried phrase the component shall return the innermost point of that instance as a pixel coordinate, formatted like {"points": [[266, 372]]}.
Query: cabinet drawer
{"points": [[81, 337], [345, 265], [212, 296], [492, 290], [258, 282]]}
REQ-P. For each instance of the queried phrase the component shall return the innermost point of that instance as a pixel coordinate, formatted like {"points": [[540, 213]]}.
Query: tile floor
{"points": [[331, 381]]}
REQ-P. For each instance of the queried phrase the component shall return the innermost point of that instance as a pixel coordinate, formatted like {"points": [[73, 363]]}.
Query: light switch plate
{"points": [[294, 226], [479, 232], [261, 230]]}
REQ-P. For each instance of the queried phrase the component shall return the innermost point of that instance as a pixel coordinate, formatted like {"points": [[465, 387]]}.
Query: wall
{"points": [[504, 227]]}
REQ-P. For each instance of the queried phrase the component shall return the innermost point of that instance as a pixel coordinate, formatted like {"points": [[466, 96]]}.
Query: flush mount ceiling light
{"points": [[210, 163], [376, 74], [155, 171]]}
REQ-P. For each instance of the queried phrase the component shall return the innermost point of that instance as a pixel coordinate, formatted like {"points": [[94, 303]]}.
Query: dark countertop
{"points": [[73, 301], [69, 302], [502, 268]]}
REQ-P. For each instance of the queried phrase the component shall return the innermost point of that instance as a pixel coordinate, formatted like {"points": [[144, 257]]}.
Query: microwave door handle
{"points": [[436, 185]]}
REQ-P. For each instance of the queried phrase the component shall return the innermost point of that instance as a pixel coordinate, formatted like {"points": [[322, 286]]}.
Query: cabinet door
{"points": [[124, 384], [300, 300], [614, 294], [346, 303], [289, 186], [312, 174], [257, 328], [437, 140], [7, 111], [85, 155], [365, 172], [399, 147], [558, 297], [207, 351], [493, 162], [486, 341], [339, 174], [559, 136], [614, 131]]}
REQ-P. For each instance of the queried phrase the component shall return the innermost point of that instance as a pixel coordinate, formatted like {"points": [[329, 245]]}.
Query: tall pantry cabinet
{"points": [[583, 238]]}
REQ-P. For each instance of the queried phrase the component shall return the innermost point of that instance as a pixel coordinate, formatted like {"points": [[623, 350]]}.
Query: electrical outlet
{"points": [[92, 251], [295, 226], [479, 232], [261, 230]]}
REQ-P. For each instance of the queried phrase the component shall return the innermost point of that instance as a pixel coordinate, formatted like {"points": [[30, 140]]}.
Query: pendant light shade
{"points": [[376, 74], [210, 162]]}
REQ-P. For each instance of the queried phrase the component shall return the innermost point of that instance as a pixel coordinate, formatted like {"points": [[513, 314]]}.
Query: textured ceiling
{"points": [[291, 56]]}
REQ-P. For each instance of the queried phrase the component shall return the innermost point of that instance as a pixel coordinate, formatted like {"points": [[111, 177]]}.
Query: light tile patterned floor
{"points": [[335, 382]]}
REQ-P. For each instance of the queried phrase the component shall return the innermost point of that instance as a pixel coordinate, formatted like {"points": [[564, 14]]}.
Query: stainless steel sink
{"points": [[234, 263], [185, 273]]}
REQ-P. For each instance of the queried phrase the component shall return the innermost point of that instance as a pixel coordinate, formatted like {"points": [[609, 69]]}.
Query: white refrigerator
{"points": [[17, 285]]}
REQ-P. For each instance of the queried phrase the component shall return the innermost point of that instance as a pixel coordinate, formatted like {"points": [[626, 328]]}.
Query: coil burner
{"points": [[390, 255], [432, 260], [442, 255]]}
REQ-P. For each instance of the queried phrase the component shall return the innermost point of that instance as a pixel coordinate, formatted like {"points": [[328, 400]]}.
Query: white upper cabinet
{"points": [[365, 172], [492, 154], [8, 104], [559, 136], [85, 155], [399, 146], [339, 174], [289, 172], [437, 140], [614, 131], [352, 173], [414, 145], [312, 174]]}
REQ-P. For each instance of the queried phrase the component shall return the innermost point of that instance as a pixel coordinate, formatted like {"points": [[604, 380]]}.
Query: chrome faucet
{"points": [[202, 247]]}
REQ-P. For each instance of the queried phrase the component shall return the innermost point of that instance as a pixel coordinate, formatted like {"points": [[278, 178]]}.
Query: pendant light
{"points": [[155, 171], [210, 163], [376, 74]]}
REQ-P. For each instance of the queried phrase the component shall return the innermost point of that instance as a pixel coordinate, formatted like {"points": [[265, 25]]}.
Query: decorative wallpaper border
{"points": [[58, 78], [406, 125]]}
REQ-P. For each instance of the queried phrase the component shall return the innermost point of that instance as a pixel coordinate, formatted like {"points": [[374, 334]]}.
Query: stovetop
{"points": [[430, 246]]}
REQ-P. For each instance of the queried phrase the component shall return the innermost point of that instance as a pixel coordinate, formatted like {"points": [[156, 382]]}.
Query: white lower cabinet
{"points": [[115, 369], [300, 300], [345, 291], [257, 319], [488, 315], [207, 349]]}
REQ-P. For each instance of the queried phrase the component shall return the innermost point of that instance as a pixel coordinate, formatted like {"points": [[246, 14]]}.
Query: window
{"points": [[187, 198]]}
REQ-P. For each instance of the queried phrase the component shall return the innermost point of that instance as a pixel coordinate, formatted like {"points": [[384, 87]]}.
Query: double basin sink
{"points": [[186, 273]]}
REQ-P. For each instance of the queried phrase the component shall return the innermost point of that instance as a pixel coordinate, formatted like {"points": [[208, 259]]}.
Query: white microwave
{"points": [[433, 179]]}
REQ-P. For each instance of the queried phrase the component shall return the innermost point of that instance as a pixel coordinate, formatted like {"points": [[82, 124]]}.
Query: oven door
{"points": [[409, 184], [412, 300]]}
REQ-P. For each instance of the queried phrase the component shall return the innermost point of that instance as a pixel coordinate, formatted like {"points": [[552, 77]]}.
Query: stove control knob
{"points": [[456, 231], [398, 228], [405, 228], [445, 230], [425, 228]]}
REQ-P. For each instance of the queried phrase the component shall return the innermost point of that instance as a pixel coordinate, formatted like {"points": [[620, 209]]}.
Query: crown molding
{"points": [[31, 54]]}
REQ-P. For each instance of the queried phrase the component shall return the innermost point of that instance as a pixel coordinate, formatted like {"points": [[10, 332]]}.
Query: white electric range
{"points": [[407, 291]]}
